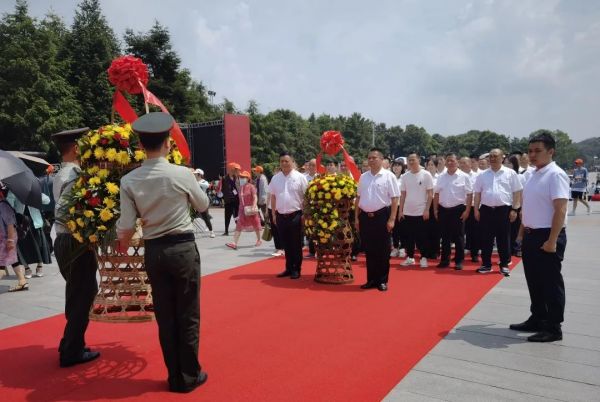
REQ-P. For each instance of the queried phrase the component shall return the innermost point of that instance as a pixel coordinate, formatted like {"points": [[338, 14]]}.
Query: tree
{"points": [[37, 100], [89, 49]]}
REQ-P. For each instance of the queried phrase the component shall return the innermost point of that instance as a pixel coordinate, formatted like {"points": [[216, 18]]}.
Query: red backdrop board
{"points": [[237, 140]]}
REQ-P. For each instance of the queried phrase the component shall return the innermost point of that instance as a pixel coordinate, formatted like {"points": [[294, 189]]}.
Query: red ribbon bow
{"points": [[332, 142]]}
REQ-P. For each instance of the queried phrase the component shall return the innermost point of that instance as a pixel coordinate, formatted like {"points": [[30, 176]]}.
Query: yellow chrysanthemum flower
{"points": [[327, 196], [80, 222], [177, 157], [103, 173], [88, 214], [78, 237], [72, 210], [94, 139], [92, 170], [93, 238], [140, 155], [106, 215], [102, 228], [86, 154], [109, 202], [82, 192], [123, 158], [112, 188], [323, 240], [99, 153], [72, 226], [110, 154], [94, 181]]}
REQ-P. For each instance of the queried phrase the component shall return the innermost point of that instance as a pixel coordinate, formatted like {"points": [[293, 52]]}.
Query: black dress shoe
{"points": [[284, 274], [458, 266], [368, 285], [86, 356], [295, 275], [545, 336], [443, 264], [382, 287], [475, 259], [527, 326], [202, 377]]}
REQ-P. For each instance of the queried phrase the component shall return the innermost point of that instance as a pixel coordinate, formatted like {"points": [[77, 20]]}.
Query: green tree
{"points": [[89, 49], [36, 99]]}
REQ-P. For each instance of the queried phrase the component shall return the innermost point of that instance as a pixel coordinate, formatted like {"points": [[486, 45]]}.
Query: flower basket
{"points": [[124, 294], [329, 201]]}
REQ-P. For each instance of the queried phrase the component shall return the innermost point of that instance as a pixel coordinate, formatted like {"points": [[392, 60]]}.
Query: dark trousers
{"points": [[473, 232], [375, 240], [78, 266], [515, 247], [398, 236], [231, 209], [415, 233], [544, 278], [263, 213], [174, 273], [206, 218], [453, 231], [290, 230], [434, 235], [495, 224], [275, 232]]}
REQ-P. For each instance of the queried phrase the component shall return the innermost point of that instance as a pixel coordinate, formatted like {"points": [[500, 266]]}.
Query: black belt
{"points": [[499, 207], [455, 207], [171, 239], [540, 230], [290, 215], [376, 213]]}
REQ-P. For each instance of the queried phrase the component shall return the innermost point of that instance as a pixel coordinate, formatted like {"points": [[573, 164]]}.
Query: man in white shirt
{"points": [[497, 193], [377, 205], [311, 170], [472, 229], [545, 200], [287, 198], [415, 200], [452, 206]]}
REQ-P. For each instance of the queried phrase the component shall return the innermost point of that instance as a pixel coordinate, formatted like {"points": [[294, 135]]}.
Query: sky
{"points": [[511, 66]]}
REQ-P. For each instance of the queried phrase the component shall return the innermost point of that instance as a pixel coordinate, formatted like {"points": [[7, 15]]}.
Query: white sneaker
{"points": [[424, 263], [409, 261], [395, 252], [402, 253], [589, 211], [212, 235]]}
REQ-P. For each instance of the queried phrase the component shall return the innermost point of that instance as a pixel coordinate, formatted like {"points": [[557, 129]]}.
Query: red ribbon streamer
{"points": [[122, 106]]}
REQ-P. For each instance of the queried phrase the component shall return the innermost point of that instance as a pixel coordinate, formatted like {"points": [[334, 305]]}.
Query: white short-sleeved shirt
{"points": [[289, 191], [543, 187], [376, 191], [416, 185], [453, 188], [527, 173], [497, 188]]}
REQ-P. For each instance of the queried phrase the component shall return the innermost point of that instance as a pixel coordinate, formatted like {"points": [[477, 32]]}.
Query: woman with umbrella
{"points": [[8, 242]]}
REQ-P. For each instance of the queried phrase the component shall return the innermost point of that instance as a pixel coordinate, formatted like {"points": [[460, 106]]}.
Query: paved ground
{"points": [[480, 359]]}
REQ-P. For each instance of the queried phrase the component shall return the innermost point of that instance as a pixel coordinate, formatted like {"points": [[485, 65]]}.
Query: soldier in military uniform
{"points": [[160, 194], [77, 266]]}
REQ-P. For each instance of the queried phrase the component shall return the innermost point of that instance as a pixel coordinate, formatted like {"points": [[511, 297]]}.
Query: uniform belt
{"points": [[376, 213], [290, 215], [540, 230], [171, 239], [454, 207]]}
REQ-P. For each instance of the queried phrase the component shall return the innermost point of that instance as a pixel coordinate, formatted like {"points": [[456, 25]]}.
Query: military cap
{"points": [[69, 135], [154, 123]]}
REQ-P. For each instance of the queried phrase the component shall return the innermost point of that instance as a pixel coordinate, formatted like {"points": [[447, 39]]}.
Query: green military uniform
{"points": [[160, 194]]}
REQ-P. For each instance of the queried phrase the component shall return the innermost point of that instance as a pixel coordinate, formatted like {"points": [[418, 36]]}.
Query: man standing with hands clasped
{"points": [[452, 206], [161, 193], [376, 206], [498, 191], [545, 200]]}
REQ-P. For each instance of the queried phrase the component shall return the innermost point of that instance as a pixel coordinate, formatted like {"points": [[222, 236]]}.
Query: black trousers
{"points": [[231, 209], [415, 233], [544, 277], [174, 273], [514, 232], [398, 236], [290, 230], [276, 236], [375, 240], [473, 234], [78, 267], [495, 224], [207, 220], [434, 235], [453, 231]]}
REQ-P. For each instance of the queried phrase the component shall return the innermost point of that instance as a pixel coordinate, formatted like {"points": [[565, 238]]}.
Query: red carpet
{"points": [[263, 339]]}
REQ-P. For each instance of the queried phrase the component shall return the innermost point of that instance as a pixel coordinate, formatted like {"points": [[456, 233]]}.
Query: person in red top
{"points": [[248, 220]]}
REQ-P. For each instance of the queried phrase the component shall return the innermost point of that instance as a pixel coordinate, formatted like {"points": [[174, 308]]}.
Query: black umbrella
{"points": [[20, 180], [37, 165]]}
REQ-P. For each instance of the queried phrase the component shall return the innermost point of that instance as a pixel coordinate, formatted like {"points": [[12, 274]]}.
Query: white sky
{"points": [[511, 66]]}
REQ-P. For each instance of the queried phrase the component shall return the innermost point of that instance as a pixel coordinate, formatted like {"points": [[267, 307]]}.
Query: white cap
{"points": [[199, 171], [483, 156]]}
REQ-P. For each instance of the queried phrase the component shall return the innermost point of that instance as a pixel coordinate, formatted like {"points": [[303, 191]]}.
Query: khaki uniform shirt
{"points": [[63, 181], [159, 193]]}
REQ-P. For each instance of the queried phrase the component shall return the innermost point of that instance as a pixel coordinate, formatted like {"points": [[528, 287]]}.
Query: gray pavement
{"points": [[479, 360]]}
